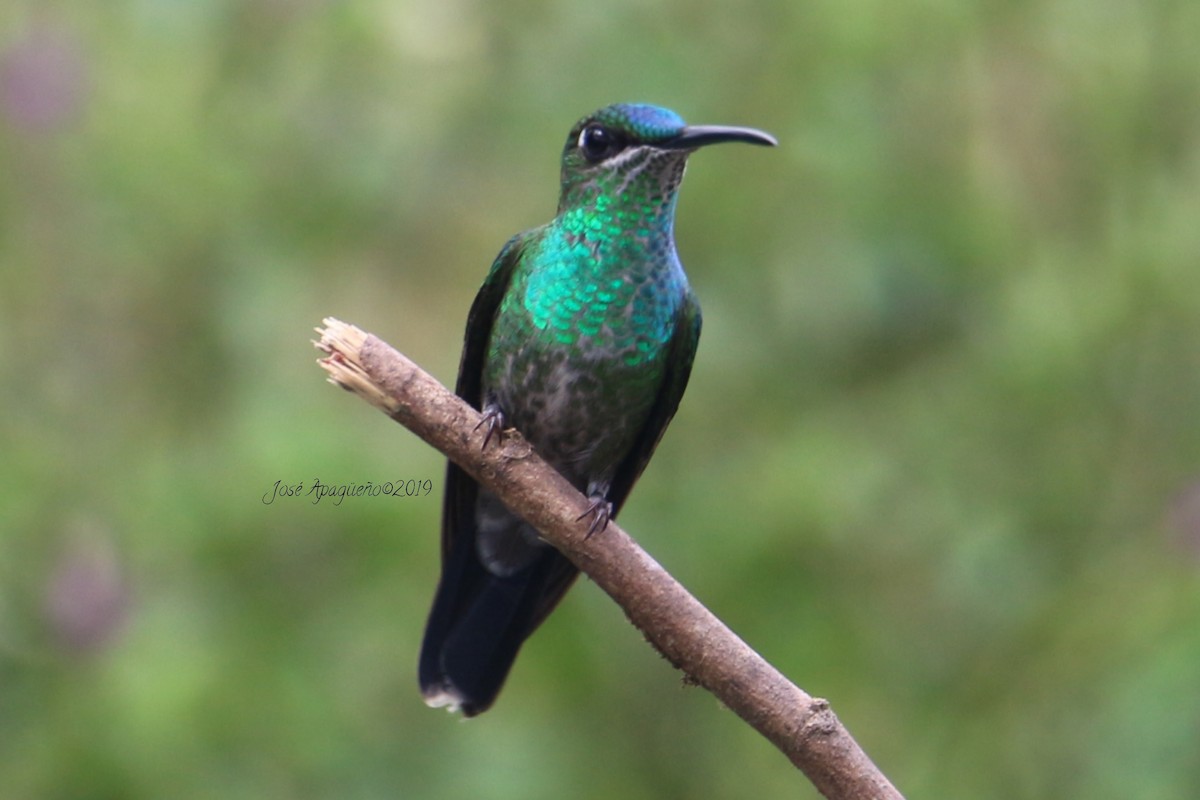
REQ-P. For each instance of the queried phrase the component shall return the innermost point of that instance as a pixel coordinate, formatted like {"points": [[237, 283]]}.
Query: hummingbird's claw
{"points": [[600, 510], [493, 417]]}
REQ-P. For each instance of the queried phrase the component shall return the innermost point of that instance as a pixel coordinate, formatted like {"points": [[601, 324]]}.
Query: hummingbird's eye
{"points": [[598, 143]]}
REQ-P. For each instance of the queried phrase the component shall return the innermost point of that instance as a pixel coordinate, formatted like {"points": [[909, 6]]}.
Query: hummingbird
{"points": [[581, 338]]}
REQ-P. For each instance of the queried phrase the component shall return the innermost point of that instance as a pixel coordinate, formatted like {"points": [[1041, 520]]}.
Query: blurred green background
{"points": [[939, 460]]}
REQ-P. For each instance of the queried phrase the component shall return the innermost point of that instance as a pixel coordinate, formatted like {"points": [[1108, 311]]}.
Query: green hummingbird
{"points": [[582, 338]]}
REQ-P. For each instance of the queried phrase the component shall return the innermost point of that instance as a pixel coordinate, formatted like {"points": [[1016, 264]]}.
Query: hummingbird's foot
{"points": [[600, 510], [493, 417]]}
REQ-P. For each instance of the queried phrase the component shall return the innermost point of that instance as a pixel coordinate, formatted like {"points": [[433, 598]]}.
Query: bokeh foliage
{"points": [[939, 461]]}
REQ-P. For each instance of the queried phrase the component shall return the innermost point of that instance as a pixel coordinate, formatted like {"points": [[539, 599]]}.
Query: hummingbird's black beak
{"points": [[694, 136]]}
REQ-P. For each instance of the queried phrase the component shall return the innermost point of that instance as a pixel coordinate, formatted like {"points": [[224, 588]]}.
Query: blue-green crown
{"points": [[632, 122], [640, 120]]}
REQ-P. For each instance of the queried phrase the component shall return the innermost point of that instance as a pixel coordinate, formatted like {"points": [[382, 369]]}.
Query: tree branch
{"points": [[804, 728]]}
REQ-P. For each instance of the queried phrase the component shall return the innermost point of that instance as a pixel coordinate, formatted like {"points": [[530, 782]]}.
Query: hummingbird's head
{"points": [[637, 146]]}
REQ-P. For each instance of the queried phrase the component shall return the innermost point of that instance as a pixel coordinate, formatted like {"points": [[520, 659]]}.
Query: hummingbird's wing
{"points": [[460, 488], [480, 318], [680, 355]]}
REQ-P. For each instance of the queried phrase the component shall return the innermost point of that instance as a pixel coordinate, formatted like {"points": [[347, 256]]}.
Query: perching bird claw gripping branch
{"points": [[686, 633]]}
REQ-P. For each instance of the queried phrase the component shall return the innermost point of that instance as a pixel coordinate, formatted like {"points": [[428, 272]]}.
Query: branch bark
{"points": [[686, 633]]}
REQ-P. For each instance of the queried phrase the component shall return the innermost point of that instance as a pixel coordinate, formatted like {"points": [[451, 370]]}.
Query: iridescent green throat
{"points": [[603, 268]]}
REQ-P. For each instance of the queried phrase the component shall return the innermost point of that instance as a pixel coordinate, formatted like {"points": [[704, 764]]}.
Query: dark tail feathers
{"points": [[477, 625]]}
